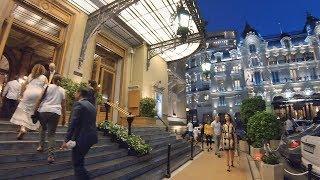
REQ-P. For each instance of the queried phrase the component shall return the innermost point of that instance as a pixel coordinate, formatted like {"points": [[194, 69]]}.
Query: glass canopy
{"points": [[152, 20]]}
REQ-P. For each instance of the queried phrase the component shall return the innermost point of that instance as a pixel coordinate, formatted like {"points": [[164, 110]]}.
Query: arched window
{"points": [[252, 48], [287, 44]]}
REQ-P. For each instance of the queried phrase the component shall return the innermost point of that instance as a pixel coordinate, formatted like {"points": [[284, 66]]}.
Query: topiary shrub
{"points": [[270, 158], [263, 126], [71, 88], [148, 107], [250, 106]]}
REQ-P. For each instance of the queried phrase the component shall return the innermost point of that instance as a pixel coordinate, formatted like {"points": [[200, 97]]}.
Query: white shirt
{"points": [[289, 125], [190, 127], [216, 127], [12, 90], [196, 132], [52, 100]]}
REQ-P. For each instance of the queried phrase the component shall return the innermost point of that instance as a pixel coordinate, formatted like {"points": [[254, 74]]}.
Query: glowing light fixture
{"points": [[182, 20]]}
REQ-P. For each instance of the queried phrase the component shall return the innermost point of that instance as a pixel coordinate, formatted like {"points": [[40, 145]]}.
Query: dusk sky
{"points": [[264, 15]]}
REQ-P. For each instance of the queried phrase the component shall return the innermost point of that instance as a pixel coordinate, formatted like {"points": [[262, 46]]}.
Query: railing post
{"points": [[129, 120], [191, 158], [107, 107], [202, 142], [309, 171], [168, 174]]}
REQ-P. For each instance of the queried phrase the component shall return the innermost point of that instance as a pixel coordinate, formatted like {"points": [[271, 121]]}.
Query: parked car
{"points": [[290, 146], [311, 152], [301, 125]]}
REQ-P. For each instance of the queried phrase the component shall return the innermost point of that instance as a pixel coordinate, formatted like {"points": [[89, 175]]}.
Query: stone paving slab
{"points": [[207, 166]]}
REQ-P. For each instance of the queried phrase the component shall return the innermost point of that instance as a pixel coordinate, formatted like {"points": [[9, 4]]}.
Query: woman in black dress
{"points": [[228, 139]]}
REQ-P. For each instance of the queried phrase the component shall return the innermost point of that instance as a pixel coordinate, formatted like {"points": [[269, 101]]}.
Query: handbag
{"points": [[36, 115]]}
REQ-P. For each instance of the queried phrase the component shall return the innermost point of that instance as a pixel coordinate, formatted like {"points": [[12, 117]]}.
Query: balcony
{"points": [[236, 73], [296, 80], [220, 76]]}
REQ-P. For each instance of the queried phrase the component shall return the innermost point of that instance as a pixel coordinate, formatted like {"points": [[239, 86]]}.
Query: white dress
{"points": [[26, 107]]}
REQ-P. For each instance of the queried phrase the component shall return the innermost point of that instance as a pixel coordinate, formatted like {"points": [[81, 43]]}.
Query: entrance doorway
{"points": [[104, 72], [26, 50]]}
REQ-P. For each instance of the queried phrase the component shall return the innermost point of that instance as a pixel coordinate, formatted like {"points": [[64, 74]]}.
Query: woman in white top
{"points": [[50, 110], [34, 88]]}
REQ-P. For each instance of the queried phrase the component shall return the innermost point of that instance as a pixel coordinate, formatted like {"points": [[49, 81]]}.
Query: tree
{"points": [[263, 126], [250, 106]]}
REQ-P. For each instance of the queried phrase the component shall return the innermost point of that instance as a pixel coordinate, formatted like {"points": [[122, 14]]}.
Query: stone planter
{"points": [[272, 172], [244, 146], [274, 144], [256, 153]]}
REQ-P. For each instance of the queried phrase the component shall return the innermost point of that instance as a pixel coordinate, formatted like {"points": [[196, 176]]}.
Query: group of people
{"points": [[224, 136], [38, 102]]}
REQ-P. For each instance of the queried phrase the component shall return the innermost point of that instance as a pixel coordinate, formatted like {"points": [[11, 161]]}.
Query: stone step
{"points": [[148, 130], [26, 145], [22, 155], [159, 139], [12, 135], [134, 171], [94, 169], [8, 126], [30, 168]]}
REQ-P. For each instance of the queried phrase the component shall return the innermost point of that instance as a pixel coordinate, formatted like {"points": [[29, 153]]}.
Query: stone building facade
{"points": [[283, 69]]}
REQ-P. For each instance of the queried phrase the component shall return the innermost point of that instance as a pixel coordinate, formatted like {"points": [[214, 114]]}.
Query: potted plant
{"points": [[261, 127], [248, 108], [148, 107], [271, 168]]}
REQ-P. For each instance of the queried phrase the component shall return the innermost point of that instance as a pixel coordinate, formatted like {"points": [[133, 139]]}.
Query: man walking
{"points": [[10, 95], [83, 131], [216, 125]]}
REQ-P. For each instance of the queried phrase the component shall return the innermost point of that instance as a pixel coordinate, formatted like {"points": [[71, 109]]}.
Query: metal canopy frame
{"points": [[99, 17], [159, 48]]}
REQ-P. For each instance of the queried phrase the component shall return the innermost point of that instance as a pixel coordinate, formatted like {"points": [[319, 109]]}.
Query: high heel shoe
{"points": [[228, 169], [20, 135], [232, 164], [50, 159], [40, 149]]}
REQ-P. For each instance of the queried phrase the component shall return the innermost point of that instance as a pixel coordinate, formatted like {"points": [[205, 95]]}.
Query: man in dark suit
{"points": [[83, 131]]}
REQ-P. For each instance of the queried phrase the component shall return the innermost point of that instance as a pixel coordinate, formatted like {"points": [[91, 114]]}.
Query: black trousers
{"points": [[209, 140], [78, 154], [9, 107]]}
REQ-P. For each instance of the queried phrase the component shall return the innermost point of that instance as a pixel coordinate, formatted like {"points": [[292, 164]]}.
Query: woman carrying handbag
{"points": [[52, 106], [31, 92]]}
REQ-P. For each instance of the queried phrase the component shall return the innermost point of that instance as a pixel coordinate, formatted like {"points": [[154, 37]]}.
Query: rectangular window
{"points": [[221, 87], [236, 69], [237, 99], [222, 101], [252, 48], [275, 77], [293, 74], [257, 78], [237, 85]]}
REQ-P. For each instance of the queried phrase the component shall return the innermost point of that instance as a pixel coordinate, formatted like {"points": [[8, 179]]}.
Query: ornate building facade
{"points": [[283, 69]]}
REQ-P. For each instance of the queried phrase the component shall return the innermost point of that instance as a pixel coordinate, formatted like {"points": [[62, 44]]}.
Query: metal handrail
{"points": [[167, 126]]}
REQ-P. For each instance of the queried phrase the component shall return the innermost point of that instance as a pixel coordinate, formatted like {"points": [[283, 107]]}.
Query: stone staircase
{"points": [[19, 159]]}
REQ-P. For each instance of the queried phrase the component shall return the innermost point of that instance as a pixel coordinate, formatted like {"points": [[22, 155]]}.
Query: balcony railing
{"points": [[298, 79]]}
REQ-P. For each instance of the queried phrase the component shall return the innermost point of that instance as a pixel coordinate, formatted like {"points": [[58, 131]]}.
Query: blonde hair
{"points": [[37, 71]]}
